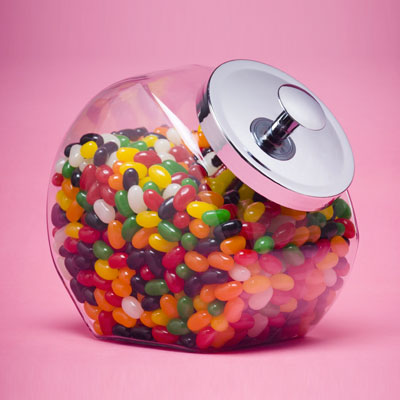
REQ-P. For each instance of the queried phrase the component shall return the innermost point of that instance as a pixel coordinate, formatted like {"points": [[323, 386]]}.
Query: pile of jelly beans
{"points": [[161, 246]]}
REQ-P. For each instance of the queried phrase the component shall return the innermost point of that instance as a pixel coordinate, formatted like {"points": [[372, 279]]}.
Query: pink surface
{"points": [[56, 55]]}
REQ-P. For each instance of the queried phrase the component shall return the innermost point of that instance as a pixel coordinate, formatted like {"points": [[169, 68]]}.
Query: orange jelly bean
{"points": [[199, 320], [114, 231], [115, 182], [74, 212], [338, 245], [168, 304], [96, 328], [141, 237], [233, 244], [99, 295], [222, 337], [256, 284], [315, 233], [221, 260], [228, 291], [69, 190], [211, 197], [121, 288], [91, 311], [196, 261], [146, 320], [233, 309], [122, 318], [330, 260], [296, 214], [125, 275], [282, 282], [301, 236], [199, 229], [207, 293], [116, 166]]}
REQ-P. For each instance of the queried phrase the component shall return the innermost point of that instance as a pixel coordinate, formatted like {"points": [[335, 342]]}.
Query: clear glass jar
{"points": [[160, 244]]}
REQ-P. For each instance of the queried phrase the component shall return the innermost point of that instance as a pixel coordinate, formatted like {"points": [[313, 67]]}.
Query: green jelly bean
{"points": [[67, 170], [189, 181], [123, 140], [129, 228], [184, 272], [102, 250], [189, 241], [151, 185], [177, 327], [156, 287], [216, 217], [81, 200], [172, 167], [316, 218], [216, 307], [140, 145], [293, 255], [185, 307], [340, 228], [169, 231], [264, 244], [121, 201], [341, 208]]}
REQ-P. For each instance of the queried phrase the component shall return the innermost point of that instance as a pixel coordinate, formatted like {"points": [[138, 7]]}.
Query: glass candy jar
{"points": [[203, 209]]}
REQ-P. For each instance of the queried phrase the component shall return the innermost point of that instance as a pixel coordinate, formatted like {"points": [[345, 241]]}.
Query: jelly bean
{"points": [[216, 217], [216, 308], [315, 233], [190, 182], [91, 311], [329, 261], [256, 284], [84, 249], [76, 178], [63, 201], [106, 322], [259, 300], [188, 241], [104, 211], [138, 284], [214, 276], [148, 219], [231, 208], [228, 291], [141, 238], [221, 338], [172, 166], [122, 204], [329, 230], [68, 189], [81, 200], [169, 231], [296, 214], [246, 193], [245, 322], [205, 337], [150, 185], [293, 255], [58, 217], [161, 335], [123, 319], [199, 320], [227, 229], [264, 244], [207, 293], [132, 307], [150, 303], [283, 235], [342, 209], [160, 176], [88, 235], [330, 277], [219, 323], [162, 146], [113, 299], [74, 212], [180, 153], [135, 199], [72, 229], [152, 199], [171, 190], [239, 273], [181, 219], [196, 208], [147, 158], [129, 228], [233, 309], [233, 244], [253, 212], [146, 273], [183, 197], [140, 145], [105, 271], [174, 257], [342, 268], [75, 157], [101, 300], [207, 246], [101, 250], [153, 260], [169, 305], [156, 287], [120, 288], [184, 272], [211, 198], [177, 326], [220, 260], [252, 230], [301, 236], [199, 229], [260, 323], [185, 307], [177, 177], [350, 231], [126, 154], [316, 218], [130, 178], [323, 247], [196, 262], [140, 168], [174, 282], [157, 242], [270, 264], [193, 285], [282, 282], [115, 234], [167, 210]]}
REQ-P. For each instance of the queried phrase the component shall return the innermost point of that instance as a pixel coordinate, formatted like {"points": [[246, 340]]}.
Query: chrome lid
{"points": [[275, 135]]}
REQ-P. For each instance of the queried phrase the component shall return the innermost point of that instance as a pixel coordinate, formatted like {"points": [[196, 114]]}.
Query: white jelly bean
{"points": [[173, 136], [111, 160], [132, 307], [162, 146], [59, 238], [85, 163], [75, 156], [209, 166], [59, 165], [135, 199], [104, 211], [166, 156], [171, 190], [260, 300], [107, 137], [260, 323], [330, 277], [239, 273]]}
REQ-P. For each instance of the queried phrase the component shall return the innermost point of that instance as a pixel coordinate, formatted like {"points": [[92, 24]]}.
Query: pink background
{"points": [[55, 55]]}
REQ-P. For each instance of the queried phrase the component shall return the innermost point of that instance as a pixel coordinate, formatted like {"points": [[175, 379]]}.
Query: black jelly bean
{"points": [[88, 292], [329, 230], [138, 284], [82, 262], [167, 209], [136, 259], [213, 275], [150, 303], [95, 137], [227, 229], [141, 332], [188, 340], [232, 196], [71, 266], [86, 250], [207, 246], [309, 249], [259, 197], [234, 185], [120, 330], [67, 149], [216, 161], [153, 260], [129, 248], [76, 177], [63, 252], [100, 157], [95, 222], [193, 286], [133, 134], [205, 151], [110, 147], [77, 290], [58, 217], [130, 178]]}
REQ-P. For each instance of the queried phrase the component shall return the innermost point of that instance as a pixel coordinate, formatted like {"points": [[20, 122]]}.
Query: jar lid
{"points": [[275, 135]]}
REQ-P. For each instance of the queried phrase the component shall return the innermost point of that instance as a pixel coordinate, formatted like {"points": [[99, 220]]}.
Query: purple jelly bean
{"points": [[58, 217], [71, 266], [77, 290]]}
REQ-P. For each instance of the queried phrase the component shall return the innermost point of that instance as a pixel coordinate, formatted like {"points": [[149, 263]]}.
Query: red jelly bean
{"points": [[88, 234], [245, 322], [85, 277], [146, 274], [246, 257], [252, 230], [71, 244], [93, 193], [283, 235], [183, 197], [88, 177], [342, 268], [277, 322], [106, 322], [349, 229], [152, 199], [148, 158], [239, 336], [107, 194], [301, 272], [180, 153], [204, 187], [324, 246], [198, 172], [205, 337], [173, 258], [232, 208], [181, 219], [270, 263], [57, 179], [280, 297], [103, 173], [118, 260], [100, 282], [177, 177], [113, 299], [174, 282], [161, 335], [272, 209]]}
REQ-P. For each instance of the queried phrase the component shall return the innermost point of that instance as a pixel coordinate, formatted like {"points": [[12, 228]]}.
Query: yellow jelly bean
{"points": [[282, 282], [126, 153], [140, 168], [328, 212], [150, 140], [330, 260], [245, 192], [196, 208], [157, 242], [160, 176], [254, 211], [220, 183], [219, 323], [72, 229], [105, 271], [148, 219], [159, 317], [88, 149], [63, 200], [339, 246]]}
